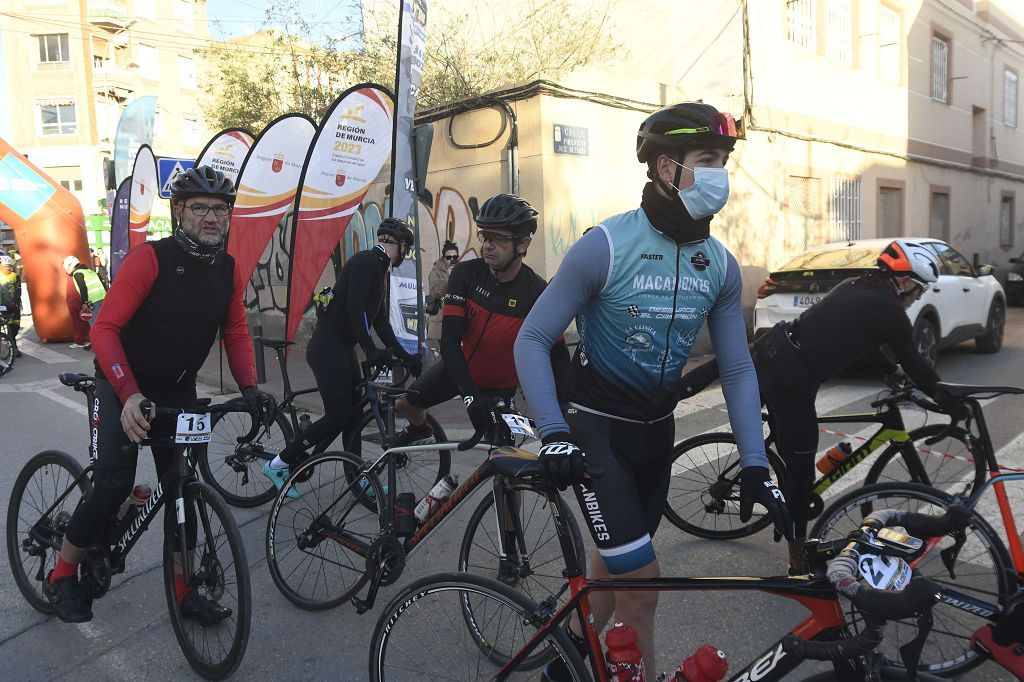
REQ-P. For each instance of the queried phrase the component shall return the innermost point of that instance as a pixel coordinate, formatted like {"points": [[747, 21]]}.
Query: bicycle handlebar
{"points": [[203, 406]]}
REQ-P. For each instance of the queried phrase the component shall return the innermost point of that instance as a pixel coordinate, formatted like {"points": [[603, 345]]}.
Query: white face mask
{"points": [[708, 193]]}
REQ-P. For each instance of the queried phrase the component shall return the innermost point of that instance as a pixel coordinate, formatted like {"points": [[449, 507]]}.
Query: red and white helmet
{"points": [[903, 257]]}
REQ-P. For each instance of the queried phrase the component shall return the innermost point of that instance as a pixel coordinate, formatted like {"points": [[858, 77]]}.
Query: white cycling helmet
{"points": [[70, 263], [903, 257], [7, 260]]}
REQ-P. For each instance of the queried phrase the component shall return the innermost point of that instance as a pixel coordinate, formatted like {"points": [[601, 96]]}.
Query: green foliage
{"points": [[250, 84]]}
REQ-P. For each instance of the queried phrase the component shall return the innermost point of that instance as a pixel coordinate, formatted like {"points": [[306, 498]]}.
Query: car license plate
{"points": [[807, 301]]}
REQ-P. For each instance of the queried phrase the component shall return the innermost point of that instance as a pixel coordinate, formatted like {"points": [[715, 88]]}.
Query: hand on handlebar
{"points": [[380, 357], [261, 406], [757, 486], [133, 419], [562, 462], [483, 413]]}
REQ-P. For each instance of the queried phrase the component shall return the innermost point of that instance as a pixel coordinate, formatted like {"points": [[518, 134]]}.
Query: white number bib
{"points": [[518, 424], [193, 428]]}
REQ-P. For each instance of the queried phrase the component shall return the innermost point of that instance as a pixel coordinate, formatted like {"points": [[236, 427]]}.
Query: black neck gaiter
{"points": [[201, 252], [670, 217]]}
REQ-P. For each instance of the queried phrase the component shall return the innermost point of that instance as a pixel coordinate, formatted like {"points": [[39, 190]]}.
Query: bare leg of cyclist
{"points": [[415, 415], [70, 553]]}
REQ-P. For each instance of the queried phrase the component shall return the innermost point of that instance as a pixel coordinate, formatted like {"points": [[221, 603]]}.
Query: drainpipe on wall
{"points": [[512, 149]]}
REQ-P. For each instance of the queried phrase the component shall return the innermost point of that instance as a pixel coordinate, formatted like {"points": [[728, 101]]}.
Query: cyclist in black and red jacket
{"points": [[487, 301], [152, 335]]}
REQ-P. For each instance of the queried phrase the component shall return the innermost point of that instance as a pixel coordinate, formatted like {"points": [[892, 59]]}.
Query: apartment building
{"points": [[69, 67]]}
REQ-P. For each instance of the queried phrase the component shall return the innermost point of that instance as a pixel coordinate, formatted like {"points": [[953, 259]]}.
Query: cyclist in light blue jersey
{"points": [[641, 285]]}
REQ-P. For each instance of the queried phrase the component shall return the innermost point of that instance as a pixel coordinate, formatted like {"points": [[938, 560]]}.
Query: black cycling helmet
{"points": [[398, 230], [203, 181], [689, 125], [508, 212]]}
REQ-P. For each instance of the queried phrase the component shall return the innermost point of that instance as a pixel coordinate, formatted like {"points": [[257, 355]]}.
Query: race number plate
{"points": [[193, 428], [884, 572], [518, 424]]}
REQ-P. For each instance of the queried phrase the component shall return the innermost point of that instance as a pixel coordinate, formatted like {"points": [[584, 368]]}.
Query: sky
{"points": [[232, 18]]}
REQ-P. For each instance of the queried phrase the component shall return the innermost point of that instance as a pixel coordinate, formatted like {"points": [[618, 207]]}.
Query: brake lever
{"points": [[910, 653], [951, 554]]}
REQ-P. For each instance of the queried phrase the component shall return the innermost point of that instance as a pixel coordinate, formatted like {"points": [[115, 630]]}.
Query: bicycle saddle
{"points": [[74, 379], [965, 390], [515, 463], [274, 343]]}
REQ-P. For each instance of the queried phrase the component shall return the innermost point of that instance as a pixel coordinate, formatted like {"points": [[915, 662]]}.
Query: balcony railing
{"points": [[110, 14], [117, 77]]}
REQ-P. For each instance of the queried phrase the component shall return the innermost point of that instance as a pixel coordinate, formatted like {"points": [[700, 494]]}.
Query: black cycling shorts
{"points": [[436, 386], [624, 506]]}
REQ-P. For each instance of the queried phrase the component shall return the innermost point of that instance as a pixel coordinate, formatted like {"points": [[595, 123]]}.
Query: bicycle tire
{"points": [[323, 481], [219, 458], [703, 497], [480, 552], [398, 637], [944, 462], [983, 571], [416, 472], [218, 540], [31, 496], [7, 356]]}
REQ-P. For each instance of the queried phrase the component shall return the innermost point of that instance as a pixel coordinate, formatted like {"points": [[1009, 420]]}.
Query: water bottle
{"points": [[834, 457], [624, 661], [130, 507], [707, 664], [436, 497], [405, 522]]}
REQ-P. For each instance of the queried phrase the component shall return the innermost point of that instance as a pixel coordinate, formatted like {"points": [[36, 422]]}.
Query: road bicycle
{"points": [[7, 346], [462, 626], [990, 576], [345, 531], [235, 468], [704, 492], [51, 486]]}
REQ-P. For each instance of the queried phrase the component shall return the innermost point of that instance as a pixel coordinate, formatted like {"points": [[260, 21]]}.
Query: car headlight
{"points": [[1014, 277]]}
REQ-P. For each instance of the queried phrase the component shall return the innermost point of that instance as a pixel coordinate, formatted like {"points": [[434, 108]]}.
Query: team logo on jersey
{"points": [[633, 311], [704, 311], [512, 303], [700, 261], [180, 270]]}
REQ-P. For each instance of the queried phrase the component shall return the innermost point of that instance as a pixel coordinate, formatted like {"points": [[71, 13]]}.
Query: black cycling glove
{"points": [[414, 363], [757, 486], [562, 462], [482, 413], [256, 401]]}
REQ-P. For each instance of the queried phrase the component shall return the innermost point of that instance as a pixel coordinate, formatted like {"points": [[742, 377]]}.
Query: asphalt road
{"points": [[130, 635]]}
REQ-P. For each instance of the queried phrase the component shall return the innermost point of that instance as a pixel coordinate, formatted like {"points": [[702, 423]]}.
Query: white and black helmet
{"points": [[7, 260], [903, 257]]}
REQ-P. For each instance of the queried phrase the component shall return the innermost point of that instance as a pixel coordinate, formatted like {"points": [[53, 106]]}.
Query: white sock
{"points": [[278, 463]]}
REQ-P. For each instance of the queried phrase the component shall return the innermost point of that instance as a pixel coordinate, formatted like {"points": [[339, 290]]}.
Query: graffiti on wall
{"points": [[444, 215], [564, 229]]}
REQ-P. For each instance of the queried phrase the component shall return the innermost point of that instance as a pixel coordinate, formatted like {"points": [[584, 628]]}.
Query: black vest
{"points": [[171, 334]]}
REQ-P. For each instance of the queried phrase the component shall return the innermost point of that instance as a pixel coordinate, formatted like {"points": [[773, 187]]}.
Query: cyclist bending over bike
{"points": [[484, 307], [10, 298], [641, 285], [155, 330], [360, 299], [850, 323]]}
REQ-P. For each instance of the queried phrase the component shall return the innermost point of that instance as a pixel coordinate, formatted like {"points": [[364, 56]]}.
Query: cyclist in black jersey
{"points": [[486, 302], [359, 303], [850, 323]]}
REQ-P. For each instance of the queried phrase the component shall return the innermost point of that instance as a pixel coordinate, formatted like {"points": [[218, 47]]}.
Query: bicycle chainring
{"points": [[387, 549]]}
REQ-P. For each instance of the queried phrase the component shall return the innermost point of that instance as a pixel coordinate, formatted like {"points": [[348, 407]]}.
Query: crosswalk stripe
{"points": [[39, 352]]}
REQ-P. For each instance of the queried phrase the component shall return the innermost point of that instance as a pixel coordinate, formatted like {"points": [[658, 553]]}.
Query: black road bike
{"points": [[51, 486]]}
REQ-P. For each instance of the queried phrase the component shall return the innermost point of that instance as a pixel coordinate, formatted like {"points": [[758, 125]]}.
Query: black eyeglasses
{"points": [[201, 210]]}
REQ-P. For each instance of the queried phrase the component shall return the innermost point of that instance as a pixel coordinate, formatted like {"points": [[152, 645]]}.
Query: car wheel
{"points": [[992, 340], [926, 338]]}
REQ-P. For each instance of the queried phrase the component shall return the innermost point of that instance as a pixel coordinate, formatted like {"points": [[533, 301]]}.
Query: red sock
{"points": [[63, 569], [181, 590]]}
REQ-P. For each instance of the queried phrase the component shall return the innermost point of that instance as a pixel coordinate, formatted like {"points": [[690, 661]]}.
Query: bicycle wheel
{"points": [[235, 470], [704, 491], [538, 571], [423, 634], [416, 472], [42, 481], [982, 571], [6, 351], [220, 574], [317, 545], [950, 464]]}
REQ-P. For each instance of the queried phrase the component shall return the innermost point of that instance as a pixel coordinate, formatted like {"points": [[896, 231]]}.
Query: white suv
{"points": [[966, 302]]}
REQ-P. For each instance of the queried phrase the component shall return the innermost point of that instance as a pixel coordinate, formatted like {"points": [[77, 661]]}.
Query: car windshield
{"points": [[855, 257]]}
